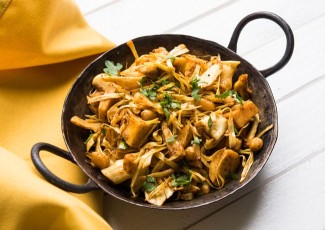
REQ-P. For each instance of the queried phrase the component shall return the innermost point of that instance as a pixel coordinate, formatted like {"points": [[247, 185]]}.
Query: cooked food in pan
{"points": [[172, 125]]}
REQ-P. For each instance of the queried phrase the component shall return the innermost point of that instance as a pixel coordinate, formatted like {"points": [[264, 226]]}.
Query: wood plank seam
{"points": [[301, 88]]}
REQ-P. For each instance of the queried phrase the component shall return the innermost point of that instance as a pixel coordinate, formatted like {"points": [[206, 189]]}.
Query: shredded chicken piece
{"points": [[243, 114], [94, 126], [136, 130], [242, 88], [228, 70]]}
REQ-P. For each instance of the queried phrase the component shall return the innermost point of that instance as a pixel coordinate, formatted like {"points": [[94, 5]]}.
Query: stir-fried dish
{"points": [[172, 125]]}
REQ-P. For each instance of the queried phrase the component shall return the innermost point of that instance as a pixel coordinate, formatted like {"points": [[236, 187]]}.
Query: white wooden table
{"points": [[289, 192]]}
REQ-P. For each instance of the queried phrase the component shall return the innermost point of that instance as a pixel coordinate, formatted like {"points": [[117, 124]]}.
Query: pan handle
{"points": [[284, 26], [35, 155]]}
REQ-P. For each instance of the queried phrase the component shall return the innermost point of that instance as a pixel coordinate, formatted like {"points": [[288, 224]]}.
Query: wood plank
{"points": [[129, 19], [218, 26]]}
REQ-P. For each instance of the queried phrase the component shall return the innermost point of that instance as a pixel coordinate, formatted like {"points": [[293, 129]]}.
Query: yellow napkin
{"points": [[29, 203], [42, 32], [44, 45]]}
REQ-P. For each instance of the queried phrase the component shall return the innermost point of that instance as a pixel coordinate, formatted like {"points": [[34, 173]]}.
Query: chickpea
{"points": [[129, 164], [148, 115], [205, 188], [236, 145], [186, 196], [190, 154], [255, 144]]}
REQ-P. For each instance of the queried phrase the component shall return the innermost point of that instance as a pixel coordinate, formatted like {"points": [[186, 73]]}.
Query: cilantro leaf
{"points": [[142, 81], [236, 130], [89, 137], [167, 113], [165, 82], [150, 184], [175, 104], [231, 93], [196, 141], [195, 88], [149, 92], [181, 180], [237, 97], [177, 84], [168, 103], [209, 122], [223, 95], [171, 139], [122, 145], [112, 69]]}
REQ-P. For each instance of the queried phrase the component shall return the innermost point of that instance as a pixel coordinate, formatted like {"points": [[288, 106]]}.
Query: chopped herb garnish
{"points": [[175, 104], [150, 184], [89, 137], [196, 141], [149, 92], [231, 93], [169, 103], [122, 145], [236, 130], [165, 82], [180, 180], [142, 81], [209, 122], [171, 139], [195, 88], [167, 113], [112, 69]]}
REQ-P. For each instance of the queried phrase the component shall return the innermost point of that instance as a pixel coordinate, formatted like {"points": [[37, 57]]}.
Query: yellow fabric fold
{"points": [[44, 46], [41, 32], [31, 102], [29, 203]]}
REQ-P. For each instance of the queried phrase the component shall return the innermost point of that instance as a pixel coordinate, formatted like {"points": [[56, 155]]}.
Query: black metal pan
{"points": [[76, 104]]}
